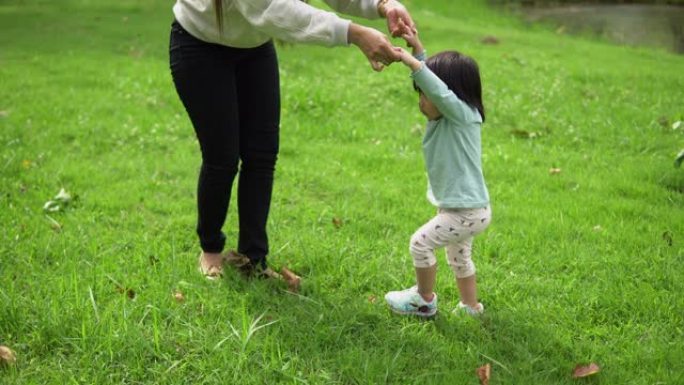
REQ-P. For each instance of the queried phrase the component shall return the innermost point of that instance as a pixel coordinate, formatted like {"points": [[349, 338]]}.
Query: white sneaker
{"points": [[470, 310], [410, 302]]}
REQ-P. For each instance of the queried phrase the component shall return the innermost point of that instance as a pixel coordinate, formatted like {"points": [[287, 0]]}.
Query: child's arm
{"points": [[433, 87], [413, 41], [410, 61], [446, 101]]}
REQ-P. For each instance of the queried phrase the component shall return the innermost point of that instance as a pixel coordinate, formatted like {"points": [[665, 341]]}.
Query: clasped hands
{"points": [[374, 44]]}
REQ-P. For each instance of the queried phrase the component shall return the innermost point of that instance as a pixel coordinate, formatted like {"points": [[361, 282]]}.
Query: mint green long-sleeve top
{"points": [[452, 147]]}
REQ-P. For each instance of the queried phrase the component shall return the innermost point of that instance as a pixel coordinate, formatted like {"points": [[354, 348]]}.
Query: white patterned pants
{"points": [[453, 229]]}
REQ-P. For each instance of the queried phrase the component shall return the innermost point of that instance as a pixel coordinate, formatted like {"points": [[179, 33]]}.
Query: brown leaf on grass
{"points": [[372, 299], [293, 280], [7, 356], [136, 53], [663, 121], [130, 293], [554, 171], [483, 373], [524, 134], [493, 40], [337, 222], [178, 296], [581, 371]]}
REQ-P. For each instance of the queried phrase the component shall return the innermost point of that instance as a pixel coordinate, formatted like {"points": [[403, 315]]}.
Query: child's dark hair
{"points": [[461, 74]]}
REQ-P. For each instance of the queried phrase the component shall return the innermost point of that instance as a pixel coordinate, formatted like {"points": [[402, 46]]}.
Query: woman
{"points": [[225, 70]]}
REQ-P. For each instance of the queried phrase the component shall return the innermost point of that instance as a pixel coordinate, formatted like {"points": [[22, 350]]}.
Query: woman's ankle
{"points": [[211, 257]]}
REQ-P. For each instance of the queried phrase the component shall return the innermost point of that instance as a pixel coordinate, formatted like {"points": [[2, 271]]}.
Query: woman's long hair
{"points": [[218, 5]]}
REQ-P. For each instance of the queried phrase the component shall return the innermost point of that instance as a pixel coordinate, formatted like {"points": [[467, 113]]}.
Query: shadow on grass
{"points": [[356, 340]]}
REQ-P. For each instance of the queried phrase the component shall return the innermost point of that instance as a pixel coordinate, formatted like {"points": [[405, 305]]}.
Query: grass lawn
{"points": [[582, 265]]}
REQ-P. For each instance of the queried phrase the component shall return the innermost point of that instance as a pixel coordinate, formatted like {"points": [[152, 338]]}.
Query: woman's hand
{"points": [[408, 59], [399, 20], [375, 45]]}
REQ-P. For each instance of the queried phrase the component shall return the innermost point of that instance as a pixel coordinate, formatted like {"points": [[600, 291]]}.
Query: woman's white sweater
{"points": [[251, 23]]}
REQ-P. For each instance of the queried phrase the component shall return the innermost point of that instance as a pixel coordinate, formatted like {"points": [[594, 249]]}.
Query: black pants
{"points": [[232, 96]]}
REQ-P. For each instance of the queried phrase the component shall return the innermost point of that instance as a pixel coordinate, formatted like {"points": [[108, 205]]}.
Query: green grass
{"points": [[581, 266]]}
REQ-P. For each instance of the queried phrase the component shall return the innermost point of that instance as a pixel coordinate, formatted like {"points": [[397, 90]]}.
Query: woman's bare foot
{"points": [[211, 264]]}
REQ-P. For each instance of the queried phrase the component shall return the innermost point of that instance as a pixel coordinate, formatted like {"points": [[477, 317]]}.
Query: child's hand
{"points": [[412, 40]]}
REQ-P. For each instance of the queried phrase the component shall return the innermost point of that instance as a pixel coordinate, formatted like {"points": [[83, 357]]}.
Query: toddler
{"points": [[450, 96]]}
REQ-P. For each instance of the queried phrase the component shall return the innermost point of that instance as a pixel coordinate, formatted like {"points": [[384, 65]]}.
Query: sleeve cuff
{"points": [[422, 56], [374, 13], [417, 73], [341, 32]]}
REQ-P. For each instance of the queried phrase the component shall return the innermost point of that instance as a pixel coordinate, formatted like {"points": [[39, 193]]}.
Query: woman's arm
{"points": [[368, 9], [392, 10], [294, 21], [297, 21]]}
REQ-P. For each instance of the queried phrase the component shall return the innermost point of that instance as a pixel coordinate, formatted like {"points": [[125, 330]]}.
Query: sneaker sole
{"points": [[416, 313], [462, 309]]}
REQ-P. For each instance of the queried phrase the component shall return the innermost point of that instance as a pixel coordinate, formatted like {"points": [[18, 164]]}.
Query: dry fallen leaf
{"points": [[554, 171], [179, 297], [483, 373], [585, 370], [663, 121], [7, 356], [130, 293], [372, 299], [293, 280], [524, 134], [59, 202], [493, 40], [337, 222], [136, 53]]}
